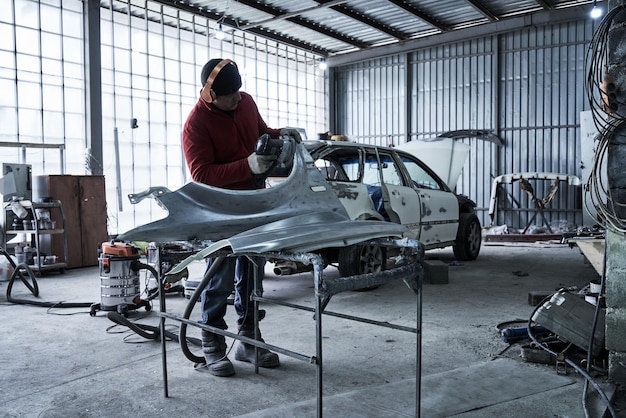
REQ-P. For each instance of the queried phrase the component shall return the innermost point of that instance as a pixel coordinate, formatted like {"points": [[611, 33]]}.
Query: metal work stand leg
{"points": [[318, 346], [162, 329], [418, 354]]}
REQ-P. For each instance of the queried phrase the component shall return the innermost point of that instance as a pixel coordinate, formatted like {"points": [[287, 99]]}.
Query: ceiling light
{"points": [[219, 34], [596, 12], [323, 66]]}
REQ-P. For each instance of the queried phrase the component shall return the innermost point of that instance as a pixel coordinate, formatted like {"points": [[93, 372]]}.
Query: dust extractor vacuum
{"points": [[119, 279]]}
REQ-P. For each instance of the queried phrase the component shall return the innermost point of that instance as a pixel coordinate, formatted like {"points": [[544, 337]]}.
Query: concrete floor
{"points": [[64, 363]]}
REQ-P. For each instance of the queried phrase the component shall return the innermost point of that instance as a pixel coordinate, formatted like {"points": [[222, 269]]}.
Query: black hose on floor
{"points": [[149, 332], [31, 283]]}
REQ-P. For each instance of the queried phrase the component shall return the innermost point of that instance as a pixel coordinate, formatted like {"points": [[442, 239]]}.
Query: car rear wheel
{"points": [[361, 259], [468, 237]]}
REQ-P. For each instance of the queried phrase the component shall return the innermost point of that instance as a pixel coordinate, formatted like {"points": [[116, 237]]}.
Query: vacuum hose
{"points": [[33, 287], [217, 262], [147, 331]]}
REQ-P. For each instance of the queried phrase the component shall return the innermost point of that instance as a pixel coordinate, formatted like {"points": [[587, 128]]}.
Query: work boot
{"points": [[245, 352], [214, 349]]}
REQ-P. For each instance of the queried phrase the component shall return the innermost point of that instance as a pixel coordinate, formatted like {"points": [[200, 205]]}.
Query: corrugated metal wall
{"points": [[526, 86]]}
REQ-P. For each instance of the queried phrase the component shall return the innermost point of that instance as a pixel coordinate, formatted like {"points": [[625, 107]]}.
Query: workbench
{"points": [[593, 249]]}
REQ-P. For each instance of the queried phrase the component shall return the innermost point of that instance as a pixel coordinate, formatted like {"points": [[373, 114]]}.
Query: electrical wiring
{"points": [[593, 332], [596, 189], [596, 64], [571, 363], [608, 117]]}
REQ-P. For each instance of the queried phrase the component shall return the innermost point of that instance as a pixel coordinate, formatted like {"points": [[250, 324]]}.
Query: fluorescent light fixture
{"points": [[596, 11], [219, 34]]}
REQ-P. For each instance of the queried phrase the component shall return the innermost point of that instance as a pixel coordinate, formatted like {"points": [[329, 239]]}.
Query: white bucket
{"points": [[595, 286]]}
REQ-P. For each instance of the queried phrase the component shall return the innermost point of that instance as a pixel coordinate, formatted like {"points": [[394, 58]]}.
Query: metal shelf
{"points": [[33, 235]]}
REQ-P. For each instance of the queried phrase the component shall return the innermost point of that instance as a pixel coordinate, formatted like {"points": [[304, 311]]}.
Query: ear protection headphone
{"points": [[205, 93]]}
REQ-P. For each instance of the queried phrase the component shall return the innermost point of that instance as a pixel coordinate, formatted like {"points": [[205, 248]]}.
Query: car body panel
{"points": [[299, 214]]}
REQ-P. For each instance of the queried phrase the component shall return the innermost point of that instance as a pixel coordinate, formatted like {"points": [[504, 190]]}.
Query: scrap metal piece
{"points": [[522, 177]]}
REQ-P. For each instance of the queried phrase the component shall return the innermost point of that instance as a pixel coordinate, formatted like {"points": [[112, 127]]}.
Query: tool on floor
{"points": [[119, 279]]}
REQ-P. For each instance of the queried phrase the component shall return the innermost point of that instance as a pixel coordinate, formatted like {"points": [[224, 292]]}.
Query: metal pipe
{"points": [[246, 340], [333, 286], [341, 315], [116, 147], [418, 355], [161, 282], [317, 279]]}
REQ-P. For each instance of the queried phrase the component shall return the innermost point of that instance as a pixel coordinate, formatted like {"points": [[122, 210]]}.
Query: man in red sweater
{"points": [[219, 138]]}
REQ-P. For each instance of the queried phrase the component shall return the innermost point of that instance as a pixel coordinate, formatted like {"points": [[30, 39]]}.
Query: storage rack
{"points": [[35, 229]]}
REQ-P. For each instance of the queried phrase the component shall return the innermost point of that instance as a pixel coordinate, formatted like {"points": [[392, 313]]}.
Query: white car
{"points": [[381, 183]]}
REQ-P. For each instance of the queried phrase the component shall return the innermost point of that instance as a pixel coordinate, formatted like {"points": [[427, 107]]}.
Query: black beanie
{"points": [[228, 80]]}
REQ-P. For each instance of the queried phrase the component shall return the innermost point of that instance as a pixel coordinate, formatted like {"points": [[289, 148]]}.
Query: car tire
{"points": [[361, 259], [468, 237]]}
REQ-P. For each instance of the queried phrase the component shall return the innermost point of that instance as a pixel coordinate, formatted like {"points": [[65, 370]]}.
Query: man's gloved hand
{"points": [[292, 132], [259, 164]]}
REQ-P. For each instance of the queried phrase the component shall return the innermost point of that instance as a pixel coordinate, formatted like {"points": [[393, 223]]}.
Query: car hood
{"points": [[301, 213], [444, 154]]}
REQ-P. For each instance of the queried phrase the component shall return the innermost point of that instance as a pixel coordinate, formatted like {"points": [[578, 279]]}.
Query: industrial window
{"points": [[151, 57], [41, 79]]}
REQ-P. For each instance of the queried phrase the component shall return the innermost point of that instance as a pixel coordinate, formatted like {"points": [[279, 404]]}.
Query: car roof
{"points": [[314, 145]]}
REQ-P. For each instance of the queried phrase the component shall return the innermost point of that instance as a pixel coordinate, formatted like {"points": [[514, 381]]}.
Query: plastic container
{"points": [[6, 270], [29, 255]]}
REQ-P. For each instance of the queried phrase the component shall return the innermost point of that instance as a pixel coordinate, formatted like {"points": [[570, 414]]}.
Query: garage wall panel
{"points": [[373, 99], [527, 86], [541, 91]]}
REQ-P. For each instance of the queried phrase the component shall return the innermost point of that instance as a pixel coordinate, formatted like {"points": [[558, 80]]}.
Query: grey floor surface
{"points": [[62, 362]]}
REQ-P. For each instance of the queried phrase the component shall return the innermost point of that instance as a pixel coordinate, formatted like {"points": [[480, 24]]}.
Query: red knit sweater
{"points": [[217, 143]]}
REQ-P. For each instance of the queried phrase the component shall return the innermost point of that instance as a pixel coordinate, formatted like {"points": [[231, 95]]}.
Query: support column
{"points": [[616, 240], [93, 86]]}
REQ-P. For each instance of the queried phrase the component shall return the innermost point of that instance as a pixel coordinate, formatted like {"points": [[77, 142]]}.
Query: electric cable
{"points": [[608, 116], [571, 363], [596, 315]]}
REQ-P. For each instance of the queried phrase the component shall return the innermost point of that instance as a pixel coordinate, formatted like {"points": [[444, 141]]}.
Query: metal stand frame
{"points": [[324, 289]]}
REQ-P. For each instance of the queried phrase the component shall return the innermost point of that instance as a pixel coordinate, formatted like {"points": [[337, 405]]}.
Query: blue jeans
{"points": [[235, 273]]}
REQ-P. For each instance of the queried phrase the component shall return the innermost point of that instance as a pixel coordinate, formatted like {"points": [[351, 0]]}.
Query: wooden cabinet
{"points": [[84, 205]]}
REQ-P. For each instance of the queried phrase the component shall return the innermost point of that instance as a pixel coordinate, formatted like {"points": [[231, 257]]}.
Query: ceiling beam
{"points": [[482, 9], [309, 24], [504, 25], [420, 15], [295, 13], [363, 18], [545, 4], [235, 24]]}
